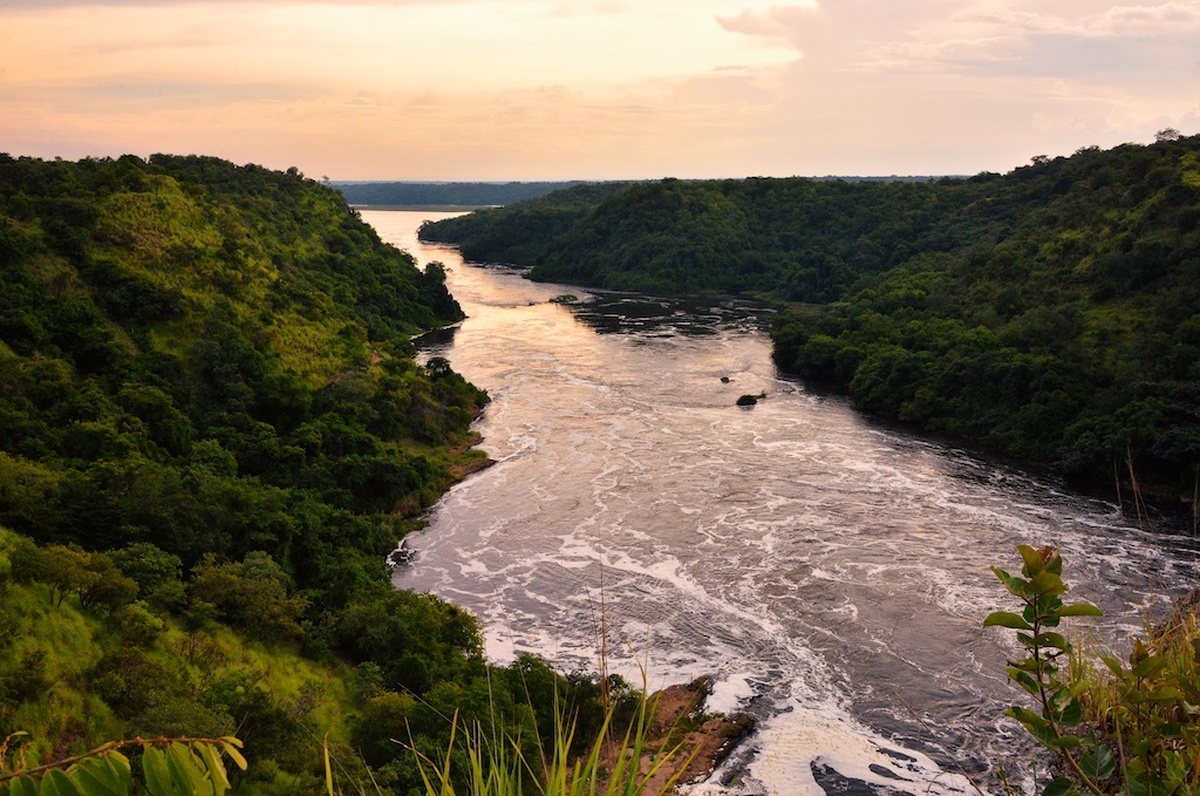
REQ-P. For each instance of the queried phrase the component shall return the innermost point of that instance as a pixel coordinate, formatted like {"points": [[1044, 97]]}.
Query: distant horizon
{"points": [[468, 181]]}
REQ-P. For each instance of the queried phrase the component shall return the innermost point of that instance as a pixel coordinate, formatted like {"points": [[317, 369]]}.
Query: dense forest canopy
{"points": [[444, 194], [1052, 313], [212, 431]]}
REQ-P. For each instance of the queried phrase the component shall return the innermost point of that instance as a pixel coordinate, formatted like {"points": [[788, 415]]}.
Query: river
{"points": [[831, 573]]}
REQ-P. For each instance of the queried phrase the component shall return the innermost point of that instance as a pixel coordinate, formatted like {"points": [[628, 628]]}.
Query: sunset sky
{"points": [[557, 89]]}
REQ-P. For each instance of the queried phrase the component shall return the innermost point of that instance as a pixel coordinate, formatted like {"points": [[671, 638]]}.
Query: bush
{"points": [[1116, 728]]}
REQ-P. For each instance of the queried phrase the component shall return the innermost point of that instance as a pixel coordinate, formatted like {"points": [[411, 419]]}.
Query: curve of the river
{"points": [[831, 574]]}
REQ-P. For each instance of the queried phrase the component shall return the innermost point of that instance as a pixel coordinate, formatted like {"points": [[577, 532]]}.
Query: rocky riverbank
{"points": [[686, 743]]}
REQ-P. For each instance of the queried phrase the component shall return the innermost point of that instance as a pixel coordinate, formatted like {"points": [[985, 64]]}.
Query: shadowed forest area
{"points": [[1051, 313]]}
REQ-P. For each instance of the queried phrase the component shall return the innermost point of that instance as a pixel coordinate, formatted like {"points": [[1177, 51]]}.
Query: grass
{"points": [[485, 760]]}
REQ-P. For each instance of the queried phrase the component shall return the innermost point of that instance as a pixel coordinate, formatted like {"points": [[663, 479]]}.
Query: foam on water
{"points": [[829, 574]]}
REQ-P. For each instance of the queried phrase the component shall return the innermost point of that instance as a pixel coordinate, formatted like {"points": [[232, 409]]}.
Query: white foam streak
{"points": [[825, 571]]}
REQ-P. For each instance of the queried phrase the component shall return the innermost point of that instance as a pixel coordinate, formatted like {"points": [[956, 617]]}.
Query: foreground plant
{"points": [[170, 766], [497, 765], [1118, 729]]}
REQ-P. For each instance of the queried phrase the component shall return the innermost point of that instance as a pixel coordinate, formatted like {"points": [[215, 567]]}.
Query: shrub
{"points": [[1132, 729]]}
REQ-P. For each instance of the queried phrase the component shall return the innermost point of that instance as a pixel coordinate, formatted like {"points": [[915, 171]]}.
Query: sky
{"points": [[596, 89]]}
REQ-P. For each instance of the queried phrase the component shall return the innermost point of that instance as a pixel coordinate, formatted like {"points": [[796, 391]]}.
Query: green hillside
{"points": [[212, 431], [444, 194], [1051, 312]]}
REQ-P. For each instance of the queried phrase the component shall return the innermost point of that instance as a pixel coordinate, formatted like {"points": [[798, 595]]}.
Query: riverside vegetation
{"points": [[212, 432], [1130, 728], [1051, 313], [449, 194]]}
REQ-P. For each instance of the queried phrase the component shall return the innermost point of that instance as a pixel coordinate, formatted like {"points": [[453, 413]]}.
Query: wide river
{"points": [[830, 573]]}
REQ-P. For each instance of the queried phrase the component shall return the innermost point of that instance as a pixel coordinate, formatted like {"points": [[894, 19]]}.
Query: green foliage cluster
{"points": [[169, 767], [1121, 728], [212, 431], [796, 239], [229, 657], [215, 359], [1067, 335], [518, 234], [1050, 313]]}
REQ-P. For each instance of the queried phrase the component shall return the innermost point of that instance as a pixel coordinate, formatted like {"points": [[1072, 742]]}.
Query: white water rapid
{"points": [[831, 573]]}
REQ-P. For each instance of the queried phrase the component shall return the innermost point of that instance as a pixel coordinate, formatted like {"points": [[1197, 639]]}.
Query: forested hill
{"points": [[444, 194], [212, 431], [1052, 312]]}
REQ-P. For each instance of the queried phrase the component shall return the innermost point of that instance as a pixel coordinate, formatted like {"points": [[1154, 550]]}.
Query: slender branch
{"points": [[1047, 709], [106, 748]]}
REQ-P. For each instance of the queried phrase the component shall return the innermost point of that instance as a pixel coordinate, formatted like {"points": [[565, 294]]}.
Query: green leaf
{"points": [[1114, 665], [103, 775], [1072, 714], [1066, 742], [216, 768], [1080, 609], [24, 786], [1099, 763], [1052, 640], [1165, 693], [1006, 619], [1023, 679], [154, 768], [1150, 666], [186, 771], [228, 745], [1047, 583], [1027, 716], [328, 767], [1016, 586], [55, 782], [1171, 730], [1059, 786], [1032, 560], [1036, 725]]}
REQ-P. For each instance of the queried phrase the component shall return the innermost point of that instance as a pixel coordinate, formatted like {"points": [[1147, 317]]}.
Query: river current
{"points": [[830, 573]]}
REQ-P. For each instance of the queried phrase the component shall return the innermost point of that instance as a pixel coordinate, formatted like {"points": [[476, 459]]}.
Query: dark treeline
{"points": [[445, 194], [1052, 313], [212, 431]]}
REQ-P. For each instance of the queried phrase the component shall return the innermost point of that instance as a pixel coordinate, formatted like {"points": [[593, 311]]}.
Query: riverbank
{"points": [[813, 562], [684, 744]]}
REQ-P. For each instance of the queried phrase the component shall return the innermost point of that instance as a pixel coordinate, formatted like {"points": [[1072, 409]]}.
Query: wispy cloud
{"points": [[551, 88]]}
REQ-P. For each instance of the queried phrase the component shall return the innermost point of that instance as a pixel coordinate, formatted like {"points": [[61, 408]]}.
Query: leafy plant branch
{"points": [[169, 765], [1039, 588]]}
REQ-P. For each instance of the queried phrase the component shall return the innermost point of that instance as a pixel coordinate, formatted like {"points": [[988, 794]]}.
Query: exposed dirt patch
{"points": [[685, 743]]}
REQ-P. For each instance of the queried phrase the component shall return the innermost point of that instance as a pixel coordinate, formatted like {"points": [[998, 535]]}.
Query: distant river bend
{"points": [[828, 572]]}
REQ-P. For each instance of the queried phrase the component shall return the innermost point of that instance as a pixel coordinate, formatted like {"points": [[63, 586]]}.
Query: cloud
{"points": [[779, 22], [508, 89], [1018, 38]]}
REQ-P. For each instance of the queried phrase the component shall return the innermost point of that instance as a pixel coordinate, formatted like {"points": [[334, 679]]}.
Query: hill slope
{"points": [[212, 431], [442, 194], [1050, 312]]}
